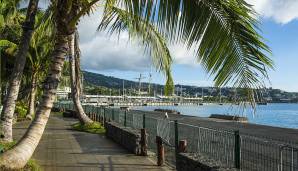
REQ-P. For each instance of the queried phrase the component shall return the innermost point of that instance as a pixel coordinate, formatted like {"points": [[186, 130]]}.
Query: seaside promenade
{"points": [[62, 149], [275, 133]]}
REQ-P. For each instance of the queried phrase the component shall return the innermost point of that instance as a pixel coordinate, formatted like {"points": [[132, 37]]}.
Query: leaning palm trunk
{"points": [[14, 83], [75, 86], [18, 156], [33, 90]]}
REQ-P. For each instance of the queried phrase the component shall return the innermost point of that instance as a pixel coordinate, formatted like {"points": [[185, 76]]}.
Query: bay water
{"points": [[273, 114]]}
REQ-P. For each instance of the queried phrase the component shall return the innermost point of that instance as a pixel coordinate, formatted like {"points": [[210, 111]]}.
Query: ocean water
{"points": [[277, 114]]}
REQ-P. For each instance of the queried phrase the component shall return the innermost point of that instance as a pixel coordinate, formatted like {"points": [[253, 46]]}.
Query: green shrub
{"points": [[21, 109], [95, 128], [6, 146], [32, 165]]}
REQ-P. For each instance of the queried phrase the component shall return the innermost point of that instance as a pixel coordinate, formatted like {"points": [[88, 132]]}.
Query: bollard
{"points": [[160, 151], [144, 121], [125, 118], [176, 138], [143, 142], [182, 146], [237, 151]]}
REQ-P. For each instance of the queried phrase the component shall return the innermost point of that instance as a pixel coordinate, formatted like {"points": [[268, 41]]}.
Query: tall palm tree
{"points": [[40, 48], [75, 78], [15, 80], [228, 46]]}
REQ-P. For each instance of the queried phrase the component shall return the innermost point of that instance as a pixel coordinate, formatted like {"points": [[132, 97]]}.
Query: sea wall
{"points": [[129, 138], [191, 162], [229, 117]]}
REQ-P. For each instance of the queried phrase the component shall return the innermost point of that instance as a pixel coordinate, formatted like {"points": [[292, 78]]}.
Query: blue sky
{"points": [[123, 59]]}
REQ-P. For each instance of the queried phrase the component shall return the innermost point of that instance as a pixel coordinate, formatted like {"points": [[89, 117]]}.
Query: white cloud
{"points": [[103, 52], [281, 11]]}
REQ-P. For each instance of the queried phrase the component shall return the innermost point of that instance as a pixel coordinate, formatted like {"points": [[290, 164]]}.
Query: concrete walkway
{"points": [[62, 149]]}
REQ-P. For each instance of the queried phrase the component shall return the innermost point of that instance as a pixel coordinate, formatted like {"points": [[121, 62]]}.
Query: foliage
{"points": [[224, 34], [21, 109], [32, 165], [7, 146], [94, 127], [116, 20]]}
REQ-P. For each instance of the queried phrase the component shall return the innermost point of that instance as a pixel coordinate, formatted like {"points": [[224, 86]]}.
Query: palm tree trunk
{"points": [[31, 109], [14, 83], [18, 156], [75, 86]]}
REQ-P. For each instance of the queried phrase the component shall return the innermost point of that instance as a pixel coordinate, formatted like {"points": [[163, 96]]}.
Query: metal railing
{"points": [[229, 148]]}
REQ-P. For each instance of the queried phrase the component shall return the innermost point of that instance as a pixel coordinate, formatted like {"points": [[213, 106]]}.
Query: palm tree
{"points": [[223, 32], [75, 78], [14, 83], [228, 46], [40, 47]]}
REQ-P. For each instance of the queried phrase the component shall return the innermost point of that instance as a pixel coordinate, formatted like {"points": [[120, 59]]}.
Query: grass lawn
{"points": [[95, 128]]}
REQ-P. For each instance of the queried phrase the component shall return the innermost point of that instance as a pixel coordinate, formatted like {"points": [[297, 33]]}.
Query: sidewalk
{"points": [[62, 149]]}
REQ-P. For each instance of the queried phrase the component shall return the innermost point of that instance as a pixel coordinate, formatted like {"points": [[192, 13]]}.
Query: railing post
{"points": [[104, 116], [84, 107], [182, 146], [96, 114], [125, 118], [113, 114], [143, 142], [160, 151], [237, 149], [144, 121], [176, 138]]}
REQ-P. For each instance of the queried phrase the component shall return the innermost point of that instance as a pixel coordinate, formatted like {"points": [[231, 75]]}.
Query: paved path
{"points": [[62, 149]]}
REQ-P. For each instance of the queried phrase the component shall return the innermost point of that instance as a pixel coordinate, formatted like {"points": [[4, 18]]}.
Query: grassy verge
{"points": [[57, 113], [95, 128], [32, 165]]}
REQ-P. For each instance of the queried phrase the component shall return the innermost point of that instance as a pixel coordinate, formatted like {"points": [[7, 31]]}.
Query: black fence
{"points": [[230, 148]]}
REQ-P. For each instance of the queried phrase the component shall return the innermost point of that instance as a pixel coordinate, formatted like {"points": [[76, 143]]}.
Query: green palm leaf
{"points": [[224, 32], [117, 20]]}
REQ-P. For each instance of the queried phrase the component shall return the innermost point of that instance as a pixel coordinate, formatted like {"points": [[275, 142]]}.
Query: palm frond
{"points": [[225, 33], [116, 20]]}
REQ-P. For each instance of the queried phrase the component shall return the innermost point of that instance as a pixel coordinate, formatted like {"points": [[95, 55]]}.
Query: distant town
{"points": [[121, 89]]}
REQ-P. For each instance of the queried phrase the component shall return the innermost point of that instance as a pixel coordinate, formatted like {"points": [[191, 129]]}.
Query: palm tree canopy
{"points": [[224, 32]]}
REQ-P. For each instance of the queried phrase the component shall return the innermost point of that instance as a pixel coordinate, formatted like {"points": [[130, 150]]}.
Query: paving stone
{"points": [[62, 149]]}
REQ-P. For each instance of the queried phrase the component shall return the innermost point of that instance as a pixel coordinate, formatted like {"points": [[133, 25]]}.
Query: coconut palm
{"points": [[41, 46], [74, 54], [223, 32], [14, 83]]}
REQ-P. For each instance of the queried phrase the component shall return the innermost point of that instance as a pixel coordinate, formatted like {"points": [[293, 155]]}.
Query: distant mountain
{"points": [[100, 80], [107, 81]]}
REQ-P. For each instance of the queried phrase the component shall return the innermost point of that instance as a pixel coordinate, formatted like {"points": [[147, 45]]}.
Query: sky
{"points": [[119, 57]]}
